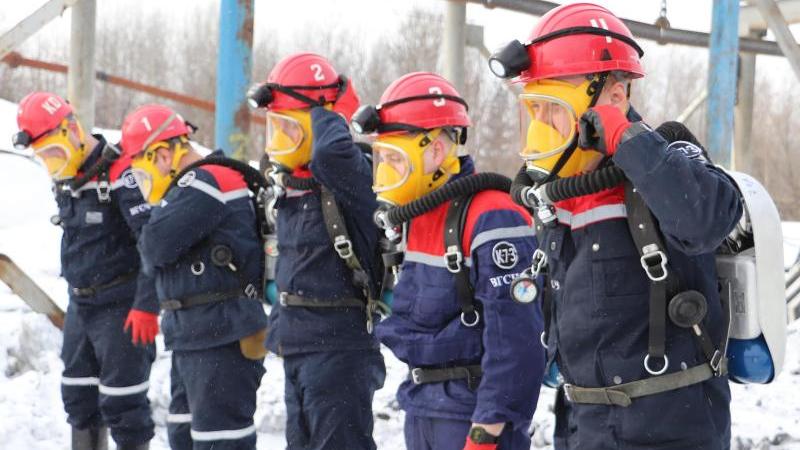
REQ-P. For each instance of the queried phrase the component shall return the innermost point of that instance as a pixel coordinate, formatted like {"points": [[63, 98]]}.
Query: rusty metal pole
{"points": [[234, 62]]}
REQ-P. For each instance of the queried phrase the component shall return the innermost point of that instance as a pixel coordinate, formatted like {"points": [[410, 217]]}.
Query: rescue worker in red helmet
{"points": [[203, 248], [474, 357], [101, 211], [636, 374], [328, 268]]}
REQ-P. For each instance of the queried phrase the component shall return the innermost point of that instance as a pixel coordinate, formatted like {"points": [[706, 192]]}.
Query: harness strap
{"points": [[472, 374], [623, 394], [288, 299], [454, 223], [204, 299], [337, 230], [94, 289], [653, 255]]}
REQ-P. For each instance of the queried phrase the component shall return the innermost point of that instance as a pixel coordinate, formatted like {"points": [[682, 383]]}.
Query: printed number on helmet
{"points": [[146, 124], [318, 75], [437, 91]]}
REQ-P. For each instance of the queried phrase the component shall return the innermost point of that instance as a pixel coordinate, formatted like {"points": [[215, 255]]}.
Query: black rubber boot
{"points": [[90, 439]]}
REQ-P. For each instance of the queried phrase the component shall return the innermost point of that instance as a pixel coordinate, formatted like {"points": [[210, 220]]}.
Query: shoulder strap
{"points": [[454, 224], [650, 245], [337, 230], [653, 258]]}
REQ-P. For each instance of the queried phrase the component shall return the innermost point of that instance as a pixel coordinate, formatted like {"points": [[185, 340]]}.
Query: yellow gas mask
{"points": [[403, 165], [151, 181], [289, 138], [549, 112], [58, 154]]}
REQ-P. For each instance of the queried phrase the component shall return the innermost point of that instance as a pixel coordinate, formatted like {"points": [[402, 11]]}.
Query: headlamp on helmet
{"points": [[262, 95], [510, 61], [367, 118]]}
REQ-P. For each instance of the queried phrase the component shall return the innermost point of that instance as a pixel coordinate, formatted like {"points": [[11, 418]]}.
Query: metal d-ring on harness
{"points": [[454, 259], [343, 245]]}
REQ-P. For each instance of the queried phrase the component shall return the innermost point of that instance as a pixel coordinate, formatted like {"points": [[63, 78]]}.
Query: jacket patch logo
{"points": [[187, 179], [688, 149], [129, 181], [504, 255], [94, 217]]}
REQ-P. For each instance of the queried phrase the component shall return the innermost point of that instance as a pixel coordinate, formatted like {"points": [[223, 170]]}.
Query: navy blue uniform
{"points": [[213, 384], [105, 378], [334, 338], [426, 331], [600, 295]]}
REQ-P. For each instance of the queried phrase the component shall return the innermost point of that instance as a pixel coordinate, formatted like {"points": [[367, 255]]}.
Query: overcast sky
{"points": [[368, 18]]}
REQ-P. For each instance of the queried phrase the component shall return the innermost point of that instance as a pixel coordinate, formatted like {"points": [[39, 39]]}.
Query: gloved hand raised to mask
{"points": [[347, 102], [603, 128], [143, 325]]}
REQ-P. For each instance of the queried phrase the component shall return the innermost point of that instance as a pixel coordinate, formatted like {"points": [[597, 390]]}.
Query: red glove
{"points": [[473, 446], [143, 325], [602, 128], [348, 101]]}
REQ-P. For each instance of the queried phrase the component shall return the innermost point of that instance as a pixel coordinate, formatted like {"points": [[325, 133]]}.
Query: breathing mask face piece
{"points": [[151, 182], [58, 154], [549, 112], [404, 165], [289, 138]]}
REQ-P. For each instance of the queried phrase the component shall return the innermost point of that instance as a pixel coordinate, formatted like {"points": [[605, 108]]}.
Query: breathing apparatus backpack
{"points": [[262, 194], [749, 267]]}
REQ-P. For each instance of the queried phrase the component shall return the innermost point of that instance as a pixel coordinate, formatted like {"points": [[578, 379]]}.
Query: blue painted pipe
{"points": [[234, 62], [723, 57]]}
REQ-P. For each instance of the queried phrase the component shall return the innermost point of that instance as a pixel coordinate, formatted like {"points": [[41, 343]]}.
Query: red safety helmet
{"points": [[416, 101], [574, 39], [41, 112], [298, 81], [148, 124]]}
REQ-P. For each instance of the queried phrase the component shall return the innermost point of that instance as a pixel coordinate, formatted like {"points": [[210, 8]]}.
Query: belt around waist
{"points": [[287, 299], [94, 289]]}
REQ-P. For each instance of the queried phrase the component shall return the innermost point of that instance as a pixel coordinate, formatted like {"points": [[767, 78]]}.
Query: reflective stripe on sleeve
{"points": [[80, 381], [179, 418]]}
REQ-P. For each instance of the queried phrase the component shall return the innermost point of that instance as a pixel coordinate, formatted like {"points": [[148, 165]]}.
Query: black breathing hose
{"points": [[594, 181], [457, 188]]}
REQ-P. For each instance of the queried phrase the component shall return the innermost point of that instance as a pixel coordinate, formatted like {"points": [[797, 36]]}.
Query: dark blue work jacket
{"points": [[308, 265], [600, 299], [99, 242], [209, 206], [425, 329]]}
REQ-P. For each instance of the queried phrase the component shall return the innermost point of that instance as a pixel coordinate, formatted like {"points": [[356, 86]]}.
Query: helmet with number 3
{"points": [[420, 123]]}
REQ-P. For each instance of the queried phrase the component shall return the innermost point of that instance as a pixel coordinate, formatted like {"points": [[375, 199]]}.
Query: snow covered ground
{"points": [[32, 416]]}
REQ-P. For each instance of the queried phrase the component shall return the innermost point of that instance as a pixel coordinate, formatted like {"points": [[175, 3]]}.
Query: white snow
{"points": [[32, 415]]}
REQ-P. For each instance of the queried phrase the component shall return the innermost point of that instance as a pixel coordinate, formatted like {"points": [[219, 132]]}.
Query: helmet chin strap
{"points": [[595, 89]]}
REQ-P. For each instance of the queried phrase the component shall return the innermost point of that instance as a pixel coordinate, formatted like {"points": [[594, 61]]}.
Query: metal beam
{"points": [[693, 106], [234, 67], [28, 26], [80, 78], [455, 38], [751, 19], [783, 35], [640, 29], [722, 60]]}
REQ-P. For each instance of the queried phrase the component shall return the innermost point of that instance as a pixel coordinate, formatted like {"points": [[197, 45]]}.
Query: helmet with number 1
{"points": [[47, 124], [564, 66], [147, 130], [420, 122], [297, 83]]}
